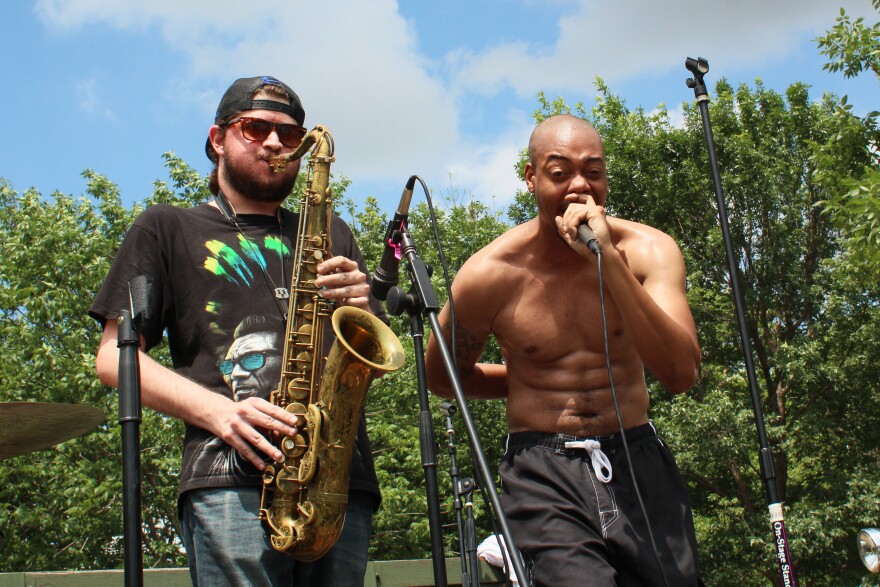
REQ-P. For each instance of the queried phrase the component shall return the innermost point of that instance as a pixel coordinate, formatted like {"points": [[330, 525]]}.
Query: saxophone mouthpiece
{"points": [[279, 164]]}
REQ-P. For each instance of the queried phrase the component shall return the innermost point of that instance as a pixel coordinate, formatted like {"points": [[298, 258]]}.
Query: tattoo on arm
{"points": [[467, 347]]}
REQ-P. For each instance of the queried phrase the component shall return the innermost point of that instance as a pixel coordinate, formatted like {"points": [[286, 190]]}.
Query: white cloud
{"points": [[355, 65], [618, 40], [87, 94], [486, 170]]}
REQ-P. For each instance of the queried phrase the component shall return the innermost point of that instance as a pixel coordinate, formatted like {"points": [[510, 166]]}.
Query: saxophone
{"points": [[304, 496]]}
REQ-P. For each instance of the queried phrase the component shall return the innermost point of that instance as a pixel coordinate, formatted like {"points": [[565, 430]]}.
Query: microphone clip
{"points": [[395, 238]]}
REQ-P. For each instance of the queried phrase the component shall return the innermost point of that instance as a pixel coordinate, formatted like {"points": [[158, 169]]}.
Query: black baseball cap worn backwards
{"points": [[239, 97]]}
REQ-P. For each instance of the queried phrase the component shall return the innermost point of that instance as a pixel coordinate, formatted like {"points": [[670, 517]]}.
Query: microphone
{"points": [[585, 233], [386, 274]]}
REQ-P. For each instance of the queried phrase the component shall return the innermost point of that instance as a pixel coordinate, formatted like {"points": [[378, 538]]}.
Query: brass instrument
{"points": [[304, 496]]}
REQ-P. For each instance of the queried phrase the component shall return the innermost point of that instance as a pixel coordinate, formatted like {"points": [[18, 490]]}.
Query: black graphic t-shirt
{"points": [[213, 293]]}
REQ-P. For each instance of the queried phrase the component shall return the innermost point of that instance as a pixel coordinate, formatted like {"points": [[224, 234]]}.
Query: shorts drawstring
{"points": [[601, 464]]}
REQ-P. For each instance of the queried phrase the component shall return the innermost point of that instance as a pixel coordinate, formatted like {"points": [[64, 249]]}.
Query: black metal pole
{"points": [[462, 487], [424, 300], [465, 488], [429, 457], [699, 67], [130, 420]]}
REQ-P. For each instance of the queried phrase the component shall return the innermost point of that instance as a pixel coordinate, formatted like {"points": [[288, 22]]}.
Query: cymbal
{"points": [[26, 427]]}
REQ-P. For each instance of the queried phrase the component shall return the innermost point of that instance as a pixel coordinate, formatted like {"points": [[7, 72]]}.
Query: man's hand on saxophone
{"points": [[344, 283], [244, 425]]}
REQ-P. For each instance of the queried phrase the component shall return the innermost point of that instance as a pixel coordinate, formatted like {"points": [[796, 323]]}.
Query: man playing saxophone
{"points": [[217, 269]]}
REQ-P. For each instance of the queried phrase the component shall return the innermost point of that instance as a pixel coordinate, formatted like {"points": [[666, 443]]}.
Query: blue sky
{"points": [[444, 90]]}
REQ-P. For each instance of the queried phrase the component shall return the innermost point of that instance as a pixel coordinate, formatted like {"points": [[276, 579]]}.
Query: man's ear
{"points": [[530, 178], [215, 136]]}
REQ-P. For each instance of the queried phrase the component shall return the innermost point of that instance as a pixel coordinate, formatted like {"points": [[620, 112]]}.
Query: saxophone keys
{"points": [[288, 482], [307, 510], [299, 388], [268, 475], [294, 446], [296, 409]]}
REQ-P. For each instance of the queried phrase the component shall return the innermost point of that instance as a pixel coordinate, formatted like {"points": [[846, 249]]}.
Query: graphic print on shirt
{"points": [[243, 267], [251, 366]]}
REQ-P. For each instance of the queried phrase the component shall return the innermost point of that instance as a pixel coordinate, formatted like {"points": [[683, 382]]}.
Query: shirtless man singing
{"points": [[570, 501]]}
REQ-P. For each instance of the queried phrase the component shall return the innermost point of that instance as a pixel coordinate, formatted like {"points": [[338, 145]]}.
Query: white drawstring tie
{"points": [[601, 464]]}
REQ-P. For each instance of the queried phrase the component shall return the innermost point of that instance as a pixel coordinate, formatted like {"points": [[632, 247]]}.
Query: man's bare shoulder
{"points": [[641, 238], [644, 247], [636, 230], [506, 251]]}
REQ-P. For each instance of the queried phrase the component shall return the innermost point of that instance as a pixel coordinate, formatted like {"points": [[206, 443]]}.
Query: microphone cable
{"points": [[632, 472], [444, 267]]}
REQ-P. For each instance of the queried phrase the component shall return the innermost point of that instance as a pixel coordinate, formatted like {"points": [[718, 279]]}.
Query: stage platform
{"points": [[402, 573]]}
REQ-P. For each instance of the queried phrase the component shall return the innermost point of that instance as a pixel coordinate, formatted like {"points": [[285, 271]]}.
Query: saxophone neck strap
{"points": [[225, 208], [281, 294]]}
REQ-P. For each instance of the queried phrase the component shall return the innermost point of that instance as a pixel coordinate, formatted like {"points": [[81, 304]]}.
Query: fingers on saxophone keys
{"points": [[282, 421], [252, 456], [256, 447]]}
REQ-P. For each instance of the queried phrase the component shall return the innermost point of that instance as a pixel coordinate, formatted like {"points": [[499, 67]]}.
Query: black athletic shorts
{"points": [[574, 529]]}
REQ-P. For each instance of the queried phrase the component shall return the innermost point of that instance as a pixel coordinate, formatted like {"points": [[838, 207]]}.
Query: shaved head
{"points": [[550, 130]]}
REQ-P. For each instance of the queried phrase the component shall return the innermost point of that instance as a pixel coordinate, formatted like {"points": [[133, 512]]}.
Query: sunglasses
{"points": [[249, 363], [257, 129]]}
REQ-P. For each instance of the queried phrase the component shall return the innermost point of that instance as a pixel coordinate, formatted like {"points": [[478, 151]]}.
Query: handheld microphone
{"points": [[386, 274], [585, 233]]}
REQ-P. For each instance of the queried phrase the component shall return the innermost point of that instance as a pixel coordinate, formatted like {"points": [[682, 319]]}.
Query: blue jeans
{"points": [[226, 543]]}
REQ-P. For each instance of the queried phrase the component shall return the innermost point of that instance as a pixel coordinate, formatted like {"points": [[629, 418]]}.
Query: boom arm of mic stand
{"points": [[430, 305]]}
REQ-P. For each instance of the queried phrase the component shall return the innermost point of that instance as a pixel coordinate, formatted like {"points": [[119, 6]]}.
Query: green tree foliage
{"points": [[853, 47]]}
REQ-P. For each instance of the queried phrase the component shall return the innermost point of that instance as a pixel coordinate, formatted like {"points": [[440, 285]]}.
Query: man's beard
{"points": [[252, 188]]}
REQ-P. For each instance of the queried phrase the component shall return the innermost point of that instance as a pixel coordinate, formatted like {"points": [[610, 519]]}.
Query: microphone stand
{"points": [[463, 487], [699, 67], [429, 457], [423, 300], [130, 321]]}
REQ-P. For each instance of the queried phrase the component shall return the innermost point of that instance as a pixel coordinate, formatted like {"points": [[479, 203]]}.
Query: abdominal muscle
{"points": [[572, 395]]}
